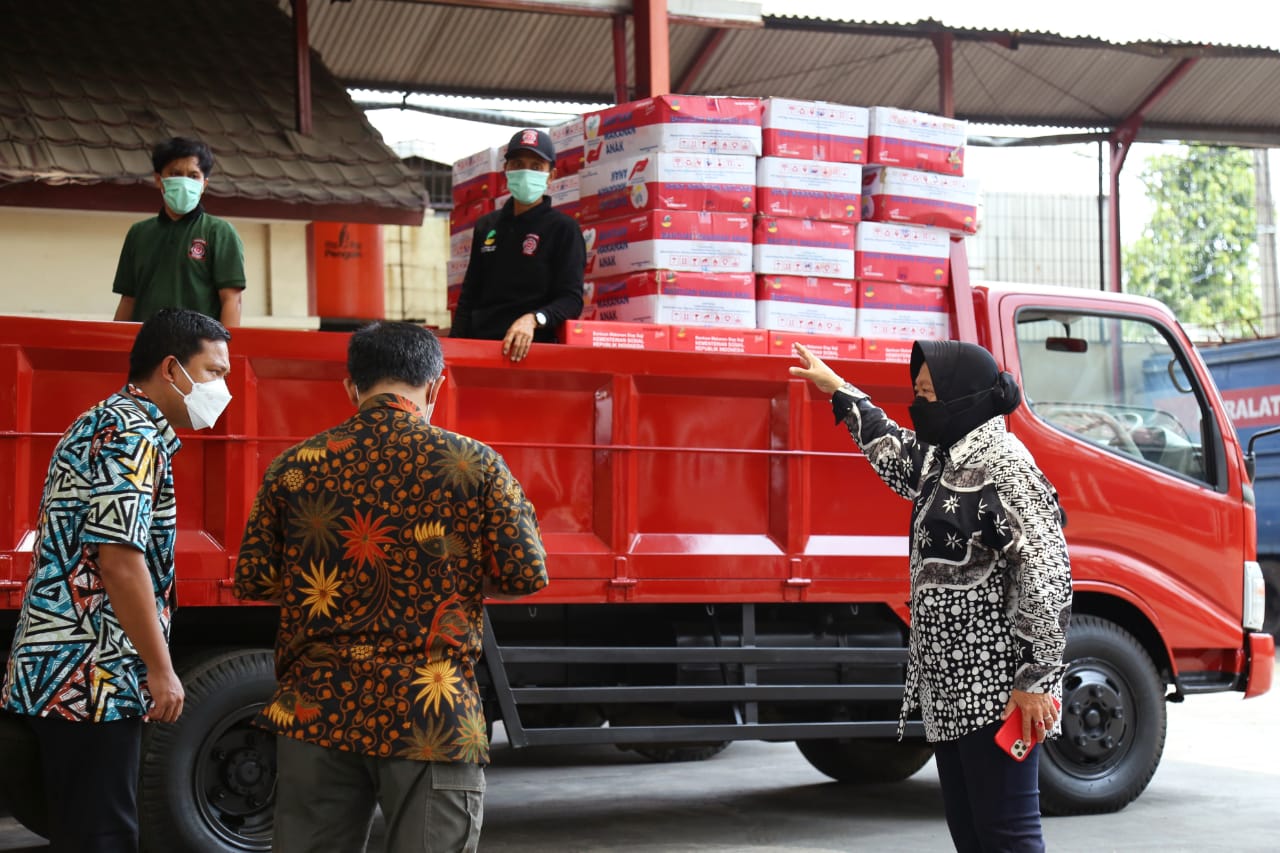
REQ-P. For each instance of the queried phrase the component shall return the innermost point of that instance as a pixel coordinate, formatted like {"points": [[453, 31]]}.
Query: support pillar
{"points": [[653, 50], [302, 51], [944, 44]]}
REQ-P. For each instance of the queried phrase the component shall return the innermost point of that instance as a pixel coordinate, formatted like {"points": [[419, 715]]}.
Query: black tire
{"points": [[21, 779], [1113, 723], [208, 781], [870, 761], [669, 752]]}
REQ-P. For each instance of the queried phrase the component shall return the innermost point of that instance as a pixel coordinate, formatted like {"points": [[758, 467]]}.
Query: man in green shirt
{"points": [[182, 258]]}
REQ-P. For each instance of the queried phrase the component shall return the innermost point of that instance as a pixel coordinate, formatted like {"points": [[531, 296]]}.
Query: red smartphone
{"points": [[1009, 735]]}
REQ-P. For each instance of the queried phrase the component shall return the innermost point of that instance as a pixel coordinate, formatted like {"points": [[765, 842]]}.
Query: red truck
{"points": [[723, 564]]}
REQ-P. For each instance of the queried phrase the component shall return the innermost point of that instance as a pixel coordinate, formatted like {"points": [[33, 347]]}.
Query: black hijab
{"points": [[970, 387]]}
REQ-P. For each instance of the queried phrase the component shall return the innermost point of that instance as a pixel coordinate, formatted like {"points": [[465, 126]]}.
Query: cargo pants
{"points": [[325, 801]]}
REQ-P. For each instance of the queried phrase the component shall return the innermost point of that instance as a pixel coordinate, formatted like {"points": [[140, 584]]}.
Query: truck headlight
{"points": [[1255, 596]]}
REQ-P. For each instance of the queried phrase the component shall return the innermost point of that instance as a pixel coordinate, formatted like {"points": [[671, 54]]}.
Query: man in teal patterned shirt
{"points": [[90, 657]]}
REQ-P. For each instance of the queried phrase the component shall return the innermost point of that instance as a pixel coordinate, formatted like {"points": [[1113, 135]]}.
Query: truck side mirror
{"points": [[1250, 461]]}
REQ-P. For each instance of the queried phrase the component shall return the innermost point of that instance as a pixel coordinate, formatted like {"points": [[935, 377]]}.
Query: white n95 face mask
{"points": [[206, 401]]}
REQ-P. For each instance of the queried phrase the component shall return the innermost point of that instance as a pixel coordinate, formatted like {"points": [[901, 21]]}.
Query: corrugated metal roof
{"points": [[88, 89], [1001, 76]]}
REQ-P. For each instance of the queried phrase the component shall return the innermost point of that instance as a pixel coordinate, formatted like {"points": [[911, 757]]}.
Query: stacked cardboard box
{"points": [[809, 196], [567, 139], [709, 216], [668, 190], [914, 199]]}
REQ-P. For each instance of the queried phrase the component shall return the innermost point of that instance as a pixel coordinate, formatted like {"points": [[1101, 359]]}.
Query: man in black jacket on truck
{"points": [[524, 278]]}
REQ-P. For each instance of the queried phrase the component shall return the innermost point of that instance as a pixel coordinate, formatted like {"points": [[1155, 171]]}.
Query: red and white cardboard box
{"points": [[725, 300], [907, 254], [895, 352], [690, 124], [567, 139], [904, 312], [607, 335], [824, 347], [809, 189], [479, 175], [460, 243], [464, 217], [921, 198], [666, 181], [455, 269], [734, 341], [807, 305], [815, 130], [669, 240], [805, 247], [915, 140], [566, 196]]}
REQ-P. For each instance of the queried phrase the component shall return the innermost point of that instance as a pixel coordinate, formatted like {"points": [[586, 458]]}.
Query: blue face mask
{"points": [[181, 195], [526, 185]]}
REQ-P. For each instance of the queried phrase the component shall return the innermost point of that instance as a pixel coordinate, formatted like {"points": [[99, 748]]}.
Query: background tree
{"points": [[1197, 253]]}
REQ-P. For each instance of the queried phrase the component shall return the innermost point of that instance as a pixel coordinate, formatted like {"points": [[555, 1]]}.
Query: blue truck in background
{"points": [[1247, 374]]}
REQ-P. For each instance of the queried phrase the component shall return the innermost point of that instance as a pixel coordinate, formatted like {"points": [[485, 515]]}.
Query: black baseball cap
{"points": [[532, 140]]}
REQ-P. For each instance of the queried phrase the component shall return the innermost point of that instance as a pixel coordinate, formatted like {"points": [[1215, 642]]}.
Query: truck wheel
{"points": [[1113, 723], [208, 781], [671, 752], [866, 761]]}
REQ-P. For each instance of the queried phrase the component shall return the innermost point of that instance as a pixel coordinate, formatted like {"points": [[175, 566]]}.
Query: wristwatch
{"points": [[540, 318]]}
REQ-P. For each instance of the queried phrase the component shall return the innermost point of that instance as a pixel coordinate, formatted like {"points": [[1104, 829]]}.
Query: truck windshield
{"points": [[1118, 382]]}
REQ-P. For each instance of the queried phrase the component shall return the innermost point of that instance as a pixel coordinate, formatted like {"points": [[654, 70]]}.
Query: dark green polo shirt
{"points": [[182, 263]]}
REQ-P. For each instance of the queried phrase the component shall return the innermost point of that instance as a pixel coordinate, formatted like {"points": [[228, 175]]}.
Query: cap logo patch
{"points": [[529, 137]]}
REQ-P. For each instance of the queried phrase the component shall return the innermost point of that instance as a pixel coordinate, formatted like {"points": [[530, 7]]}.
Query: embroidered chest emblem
{"points": [[199, 248], [490, 242], [530, 246]]}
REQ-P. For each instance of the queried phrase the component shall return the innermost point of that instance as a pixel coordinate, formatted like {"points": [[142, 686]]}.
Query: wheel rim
{"points": [[1098, 720], [235, 781]]}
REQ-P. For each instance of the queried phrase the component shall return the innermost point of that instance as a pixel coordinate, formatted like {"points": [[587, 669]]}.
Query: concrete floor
{"points": [[1217, 789]]}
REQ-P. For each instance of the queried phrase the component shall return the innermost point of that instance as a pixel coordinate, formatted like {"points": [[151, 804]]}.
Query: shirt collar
{"points": [[974, 439], [195, 214], [168, 437], [391, 400], [509, 208]]}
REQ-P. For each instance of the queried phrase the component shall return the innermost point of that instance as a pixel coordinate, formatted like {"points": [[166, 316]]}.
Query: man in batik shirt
{"points": [[379, 539], [90, 658]]}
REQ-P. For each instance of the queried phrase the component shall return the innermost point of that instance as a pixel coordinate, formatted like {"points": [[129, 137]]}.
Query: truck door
{"points": [[1118, 418]]}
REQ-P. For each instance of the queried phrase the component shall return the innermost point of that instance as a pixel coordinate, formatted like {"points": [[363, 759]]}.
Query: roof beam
{"points": [[1120, 140], [711, 13], [710, 43]]}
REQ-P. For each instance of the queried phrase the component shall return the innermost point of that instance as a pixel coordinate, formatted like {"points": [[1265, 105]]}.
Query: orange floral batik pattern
{"points": [[378, 539]]}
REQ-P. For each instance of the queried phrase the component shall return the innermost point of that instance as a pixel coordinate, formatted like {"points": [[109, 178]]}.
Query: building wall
{"points": [[62, 263], [1038, 239], [415, 260]]}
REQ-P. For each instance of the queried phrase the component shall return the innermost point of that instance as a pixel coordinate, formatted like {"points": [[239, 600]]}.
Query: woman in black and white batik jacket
{"points": [[990, 580]]}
